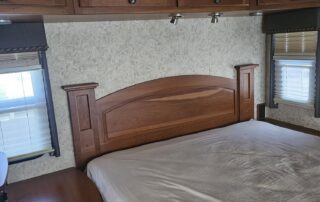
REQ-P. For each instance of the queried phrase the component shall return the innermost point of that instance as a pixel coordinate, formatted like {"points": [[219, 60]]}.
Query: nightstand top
{"points": [[63, 186]]}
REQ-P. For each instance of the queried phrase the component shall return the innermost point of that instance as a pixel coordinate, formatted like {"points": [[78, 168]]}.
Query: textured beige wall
{"points": [[295, 115], [120, 54]]}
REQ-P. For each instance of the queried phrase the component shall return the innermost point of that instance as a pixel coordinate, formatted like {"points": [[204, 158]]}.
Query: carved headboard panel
{"points": [[155, 110]]}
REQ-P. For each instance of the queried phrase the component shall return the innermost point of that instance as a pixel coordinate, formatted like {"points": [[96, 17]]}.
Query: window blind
{"points": [[295, 81], [17, 62], [24, 124], [295, 67], [296, 45]]}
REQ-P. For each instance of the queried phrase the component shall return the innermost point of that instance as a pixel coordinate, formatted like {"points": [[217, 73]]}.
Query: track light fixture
{"points": [[215, 17], [175, 18]]}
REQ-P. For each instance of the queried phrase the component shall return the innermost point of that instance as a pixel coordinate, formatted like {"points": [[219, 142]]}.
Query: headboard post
{"points": [[245, 80], [82, 106]]}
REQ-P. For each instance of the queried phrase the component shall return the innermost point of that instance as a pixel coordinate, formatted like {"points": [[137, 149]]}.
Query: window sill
{"points": [[25, 107], [30, 156], [294, 104]]}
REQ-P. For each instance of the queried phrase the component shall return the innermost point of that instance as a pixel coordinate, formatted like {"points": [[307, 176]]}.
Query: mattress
{"points": [[249, 161]]}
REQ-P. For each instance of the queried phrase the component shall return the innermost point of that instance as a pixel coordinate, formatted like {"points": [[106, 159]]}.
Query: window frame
{"points": [[306, 105], [49, 105], [20, 102], [271, 80], [270, 92], [317, 93]]}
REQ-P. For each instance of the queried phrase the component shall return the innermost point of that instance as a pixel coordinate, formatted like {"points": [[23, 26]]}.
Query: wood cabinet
{"points": [[212, 3], [124, 6], [127, 3], [34, 2], [283, 4], [156, 6], [35, 7], [162, 7]]}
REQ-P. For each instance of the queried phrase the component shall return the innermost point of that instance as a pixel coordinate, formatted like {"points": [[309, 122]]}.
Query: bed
{"points": [[189, 138], [249, 161]]}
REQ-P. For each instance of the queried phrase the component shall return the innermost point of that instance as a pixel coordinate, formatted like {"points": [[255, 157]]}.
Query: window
{"points": [[26, 124], [295, 68], [295, 81]]}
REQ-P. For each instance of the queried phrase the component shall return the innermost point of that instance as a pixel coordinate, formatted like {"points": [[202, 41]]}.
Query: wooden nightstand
{"points": [[70, 185]]}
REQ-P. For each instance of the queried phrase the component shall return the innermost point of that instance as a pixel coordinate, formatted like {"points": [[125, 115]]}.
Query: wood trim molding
{"points": [[155, 110], [77, 87], [37, 8], [277, 6]]}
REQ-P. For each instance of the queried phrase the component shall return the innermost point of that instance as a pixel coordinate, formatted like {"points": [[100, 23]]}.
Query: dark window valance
{"points": [[22, 37], [292, 21]]}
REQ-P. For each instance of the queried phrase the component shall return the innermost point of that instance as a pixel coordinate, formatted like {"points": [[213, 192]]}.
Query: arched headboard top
{"points": [[156, 110], [167, 85]]}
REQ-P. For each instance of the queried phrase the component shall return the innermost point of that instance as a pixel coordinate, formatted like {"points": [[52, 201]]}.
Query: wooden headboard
{"points": [[156, 110]]}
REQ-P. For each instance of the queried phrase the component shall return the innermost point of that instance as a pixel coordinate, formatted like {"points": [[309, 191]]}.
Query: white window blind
{"points": [[295, 58], [297, 44], [24, 125]]}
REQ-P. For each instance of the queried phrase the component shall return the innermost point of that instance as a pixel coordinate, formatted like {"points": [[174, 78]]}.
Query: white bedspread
{"points": [[250, 161]]}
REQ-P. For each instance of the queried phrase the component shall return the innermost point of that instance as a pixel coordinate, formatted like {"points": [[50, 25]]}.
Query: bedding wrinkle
{"points": [[249, 161]]}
